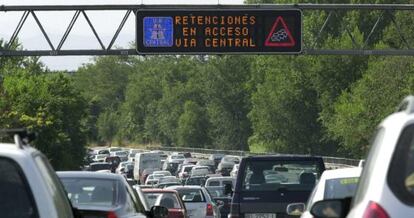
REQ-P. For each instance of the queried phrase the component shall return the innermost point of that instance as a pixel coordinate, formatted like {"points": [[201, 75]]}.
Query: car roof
{"points": [[185, 187], [87, 174], [342, 173], [158, 190], [282, 157], [220, 178]]}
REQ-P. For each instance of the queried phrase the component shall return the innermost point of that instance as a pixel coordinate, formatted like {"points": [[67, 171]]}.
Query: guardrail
{"points": [[329, 160]]}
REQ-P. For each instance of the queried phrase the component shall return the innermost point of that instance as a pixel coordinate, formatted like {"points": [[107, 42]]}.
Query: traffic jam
{"points": [[126, 182]]}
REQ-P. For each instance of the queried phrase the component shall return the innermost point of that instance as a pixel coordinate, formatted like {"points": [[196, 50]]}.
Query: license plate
{"points": [[260, 215]]}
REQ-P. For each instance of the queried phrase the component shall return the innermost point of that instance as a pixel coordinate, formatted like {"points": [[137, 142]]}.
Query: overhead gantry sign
{"points": [[219, 29]]}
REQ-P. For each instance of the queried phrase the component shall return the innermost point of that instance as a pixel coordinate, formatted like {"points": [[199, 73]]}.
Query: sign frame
{"points": [[236, 8]]}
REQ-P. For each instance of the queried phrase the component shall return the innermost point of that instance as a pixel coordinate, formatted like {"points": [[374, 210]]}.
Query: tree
{"points": [[192, 126], [49, 105]]}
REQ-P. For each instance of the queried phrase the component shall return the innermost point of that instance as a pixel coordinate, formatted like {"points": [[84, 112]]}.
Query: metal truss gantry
{"points": [[310, 44]]}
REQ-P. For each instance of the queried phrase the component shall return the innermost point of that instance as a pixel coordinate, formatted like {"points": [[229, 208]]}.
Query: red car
{"points": [[167, 198]]}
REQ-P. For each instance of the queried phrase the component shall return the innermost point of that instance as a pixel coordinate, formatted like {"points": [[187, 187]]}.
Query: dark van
{"points": [[267, 184]]}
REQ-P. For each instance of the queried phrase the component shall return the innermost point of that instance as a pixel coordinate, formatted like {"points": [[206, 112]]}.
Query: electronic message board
{"points": [[208, 31]]}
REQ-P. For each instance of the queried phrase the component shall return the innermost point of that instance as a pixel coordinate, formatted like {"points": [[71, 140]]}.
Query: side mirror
{"points": [[227, 189], [159, 212], [295, 209], [335, 208], [219, 203]]}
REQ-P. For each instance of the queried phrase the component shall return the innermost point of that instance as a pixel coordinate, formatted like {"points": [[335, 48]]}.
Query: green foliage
{"points": [[192, 126], [49, 105]]}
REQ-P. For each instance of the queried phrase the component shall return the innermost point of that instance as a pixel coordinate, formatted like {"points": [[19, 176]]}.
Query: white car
{"points": [[100, 157], [220, 181], [123, 155], [121, 167], [29, 186], [163, 172], [234, 171], [386, 185], [185, 171], [200, 171], [333, 184], [153, 177], [197, 201], [176, 158]]}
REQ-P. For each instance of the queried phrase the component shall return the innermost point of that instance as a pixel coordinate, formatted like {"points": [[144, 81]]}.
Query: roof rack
{"points": [[21, 136], [407, 105]]}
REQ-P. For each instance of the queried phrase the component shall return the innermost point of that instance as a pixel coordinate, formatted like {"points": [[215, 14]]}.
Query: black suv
{"points": [[267, 184]]}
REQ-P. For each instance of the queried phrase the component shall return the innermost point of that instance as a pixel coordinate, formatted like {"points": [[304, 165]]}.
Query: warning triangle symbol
{"points": [[279, 35]]}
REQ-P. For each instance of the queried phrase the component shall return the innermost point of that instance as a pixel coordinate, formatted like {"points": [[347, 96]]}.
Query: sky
{"points": [[81, 36]]}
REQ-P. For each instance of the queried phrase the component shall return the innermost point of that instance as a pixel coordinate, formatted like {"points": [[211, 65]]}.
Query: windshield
{"points": [[191, 195], [91, 192], [340, 188], [121, 153], [273, 175], [168, 200]]}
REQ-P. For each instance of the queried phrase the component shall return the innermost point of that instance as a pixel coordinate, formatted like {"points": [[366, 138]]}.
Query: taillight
{"points": [[374, 210], [209, 210], [111, 214]]}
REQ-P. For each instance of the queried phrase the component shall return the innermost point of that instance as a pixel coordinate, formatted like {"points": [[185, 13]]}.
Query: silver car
{"points": [[198, 201]]}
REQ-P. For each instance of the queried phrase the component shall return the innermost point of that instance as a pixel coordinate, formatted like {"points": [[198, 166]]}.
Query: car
{"points": [[153, 177], [114, 149], [129, 172], [176, 158], [168, 179], [385, 187], [197, 201], [338, 183], [171, 167], [99, 157], [145, 164], [209, 163], [121, 167], [226, 164], [98, 166], [222, 200], [196, 180], [100, 150], [200, 171], [114, 161], [152, 182], [190, 161], [29, 186], [256, 195], [185, 171], [99, 194], [168, 199], [220, 181], [168, 184], [234, 171], [123, 155], [132, 153], [162, 172], [216, 158]]}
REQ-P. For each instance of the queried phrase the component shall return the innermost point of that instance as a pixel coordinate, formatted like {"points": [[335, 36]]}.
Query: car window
{"points": [[227, 182], [214, 183], [191, 195], [91, 192], [340, 188], [55, 187], [401, 171], [269, 175], [168, 200], [16, 196]]}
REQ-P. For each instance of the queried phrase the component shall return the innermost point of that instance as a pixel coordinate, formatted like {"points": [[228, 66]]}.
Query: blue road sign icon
{"points": [[158, 31]]}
